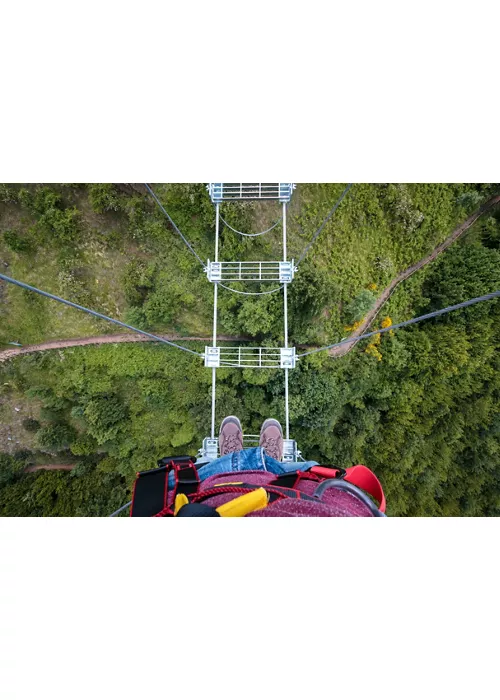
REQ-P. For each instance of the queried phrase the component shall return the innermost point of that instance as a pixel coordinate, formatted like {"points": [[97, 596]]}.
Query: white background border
{"points": [[309, 92]]}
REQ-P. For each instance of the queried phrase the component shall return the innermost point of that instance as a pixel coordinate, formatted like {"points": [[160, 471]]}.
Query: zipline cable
{"points": [[326, 220], [96, 314], [433, 314], [251, 235], [173, 224], [120, 509]]}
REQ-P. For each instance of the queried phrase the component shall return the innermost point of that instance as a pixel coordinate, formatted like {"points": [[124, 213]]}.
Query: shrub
{"points": [[470, 200], [359, 307], [16, 242], [64, 224], [52, 219], [7, 194], [31, 425], [136, 317], [25, 198], [138, 280], [103, 197]]}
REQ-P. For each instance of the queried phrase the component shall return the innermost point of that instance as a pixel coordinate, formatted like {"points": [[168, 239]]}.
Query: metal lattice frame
{"points": [[250, 271], [210, 449], [231, 191], [257, 358]]}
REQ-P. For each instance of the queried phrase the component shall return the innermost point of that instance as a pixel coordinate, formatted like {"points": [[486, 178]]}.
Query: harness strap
{"points": [[188, 480], [292, 479], [150, 495]]}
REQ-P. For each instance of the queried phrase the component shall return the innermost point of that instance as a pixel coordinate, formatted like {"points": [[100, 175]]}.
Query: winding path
{"points": [[49, 467], [101, 340], [459, 231]]}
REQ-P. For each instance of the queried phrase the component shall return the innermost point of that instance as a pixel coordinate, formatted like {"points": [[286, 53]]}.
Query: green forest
{"points": [[419, 406]]}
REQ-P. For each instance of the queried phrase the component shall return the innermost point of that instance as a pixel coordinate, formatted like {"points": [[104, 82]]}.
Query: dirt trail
{"points": [[102, 339], [459, 231], [50, 467]]}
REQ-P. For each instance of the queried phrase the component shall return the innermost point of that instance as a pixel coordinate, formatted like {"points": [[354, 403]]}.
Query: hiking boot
{"points": [[230, 436], [271, 438]]}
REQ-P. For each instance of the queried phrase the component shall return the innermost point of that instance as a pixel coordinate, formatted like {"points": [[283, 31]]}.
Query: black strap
{"points": [[287, 480], [291, 479], [151, 487], [188, 481], [181, 461], [149, 493], [197, 510]]}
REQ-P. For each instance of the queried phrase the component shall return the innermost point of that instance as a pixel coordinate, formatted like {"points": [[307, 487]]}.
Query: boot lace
{"points": [[231, 444], [272, 447]]}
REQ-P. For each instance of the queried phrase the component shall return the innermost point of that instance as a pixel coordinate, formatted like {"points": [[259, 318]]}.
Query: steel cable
{"points": [[433, 314], [30, 288], [173, 224]]}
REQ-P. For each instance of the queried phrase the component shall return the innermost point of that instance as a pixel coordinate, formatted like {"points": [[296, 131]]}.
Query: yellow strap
{"points": [[180, 500], [238, 507]]}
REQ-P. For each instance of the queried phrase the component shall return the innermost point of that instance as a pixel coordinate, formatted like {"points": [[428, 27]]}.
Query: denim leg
{"points": [[254, 459], [243, 460], [275, 467]]}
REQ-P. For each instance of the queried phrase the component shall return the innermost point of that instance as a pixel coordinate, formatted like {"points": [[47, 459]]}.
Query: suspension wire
{"points": [[470, 302], [96, 314], [251, 294], [120, 509], [173, 224], [251, 235], [326, 220]]}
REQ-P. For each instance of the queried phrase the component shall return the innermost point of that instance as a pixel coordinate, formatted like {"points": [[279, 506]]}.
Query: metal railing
{"points": [[250, 271], [256, 358], [230, 191]]}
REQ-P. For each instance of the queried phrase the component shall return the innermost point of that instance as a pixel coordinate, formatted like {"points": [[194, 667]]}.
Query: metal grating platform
{"points": [[251, 271], [256, 358], [230, 191], [210, 449]]}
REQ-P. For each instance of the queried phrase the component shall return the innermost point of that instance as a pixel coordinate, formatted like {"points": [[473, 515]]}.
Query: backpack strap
{"points": [[151, 496]]}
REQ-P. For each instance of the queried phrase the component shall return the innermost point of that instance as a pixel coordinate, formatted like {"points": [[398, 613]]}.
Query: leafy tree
{"points": [[104, 415], [11, 469]]}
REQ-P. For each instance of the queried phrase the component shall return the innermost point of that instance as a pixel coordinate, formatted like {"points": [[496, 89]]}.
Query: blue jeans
{"points": [[254, 459]]}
